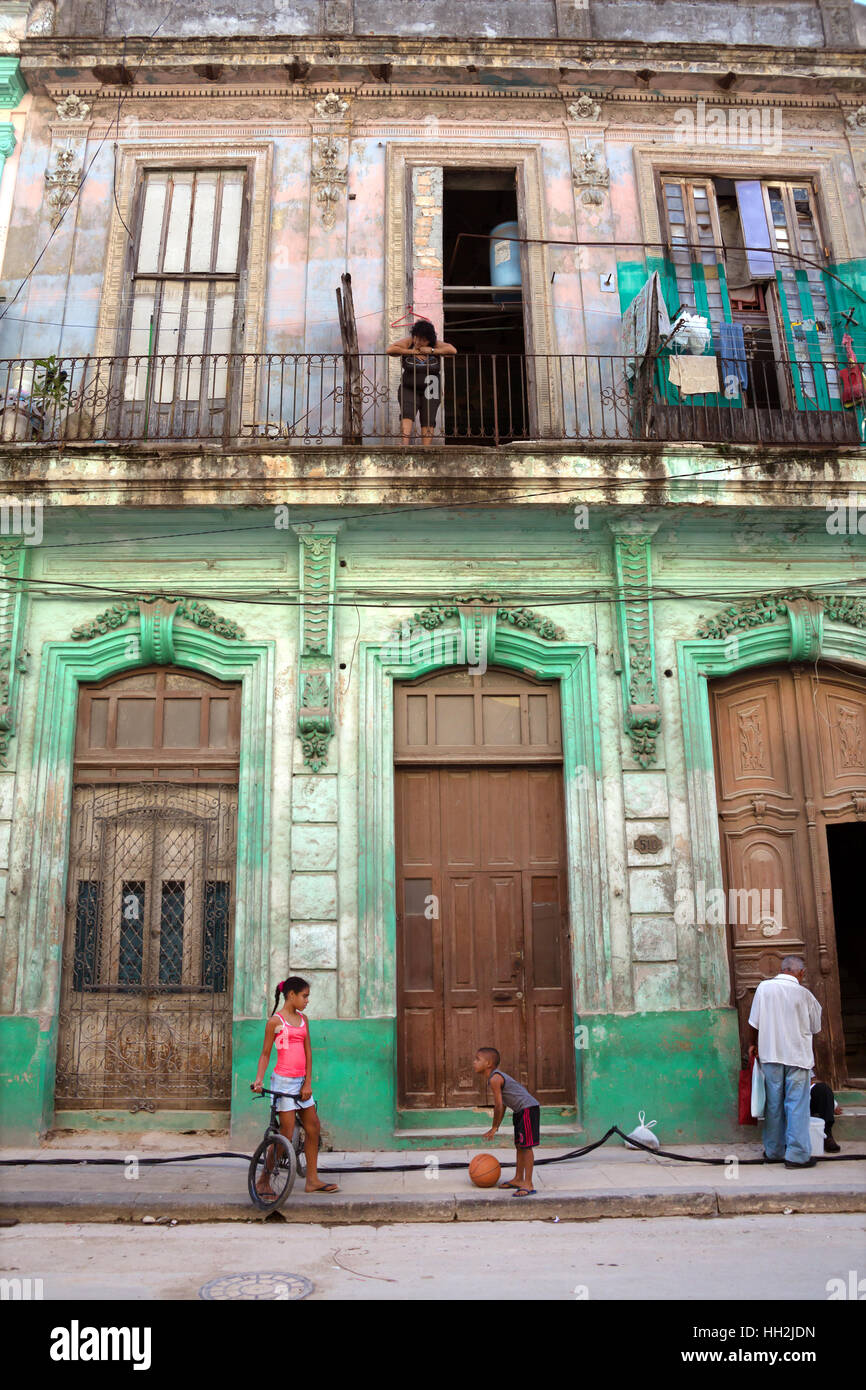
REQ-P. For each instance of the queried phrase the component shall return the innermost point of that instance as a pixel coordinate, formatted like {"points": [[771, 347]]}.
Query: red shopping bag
{"points": [[744, 1095]]}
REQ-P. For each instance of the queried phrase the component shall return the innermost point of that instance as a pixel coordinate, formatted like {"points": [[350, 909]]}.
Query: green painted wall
{"points": [[25, 1101], [354, 1080], [680, 1068]]}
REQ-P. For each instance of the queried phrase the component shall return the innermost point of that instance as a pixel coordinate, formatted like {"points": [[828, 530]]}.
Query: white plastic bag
{"points": [[692, 333], [759, 1091], [644, 1133]]}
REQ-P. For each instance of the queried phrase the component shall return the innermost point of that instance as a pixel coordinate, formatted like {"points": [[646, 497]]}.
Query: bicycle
{"points": [[276, 1163]]}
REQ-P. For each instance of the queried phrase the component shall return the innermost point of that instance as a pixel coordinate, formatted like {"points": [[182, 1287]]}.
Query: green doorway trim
{"points": [[574, 667], [64, 666], [807, 635]]}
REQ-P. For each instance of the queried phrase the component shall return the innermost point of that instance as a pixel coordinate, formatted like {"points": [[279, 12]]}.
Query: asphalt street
{"points": [[736, 1258]]}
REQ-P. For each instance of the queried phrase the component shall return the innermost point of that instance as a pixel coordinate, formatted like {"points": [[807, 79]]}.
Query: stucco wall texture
{"points": [[673, 21]]}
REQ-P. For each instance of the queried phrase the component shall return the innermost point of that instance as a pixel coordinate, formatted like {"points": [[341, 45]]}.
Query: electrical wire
{"points": [[75, 196]]}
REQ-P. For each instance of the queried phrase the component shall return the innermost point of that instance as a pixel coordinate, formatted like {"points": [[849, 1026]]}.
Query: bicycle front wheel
{"points": [[273, 1169]]}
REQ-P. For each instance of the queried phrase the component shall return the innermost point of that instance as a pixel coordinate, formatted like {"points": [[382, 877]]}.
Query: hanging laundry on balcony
{"points": [[735, 363], [852, 377], [636, 322], [695, 376]]}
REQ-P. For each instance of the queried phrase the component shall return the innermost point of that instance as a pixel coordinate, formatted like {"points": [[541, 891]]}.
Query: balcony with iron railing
{"points": [[285, 400]]}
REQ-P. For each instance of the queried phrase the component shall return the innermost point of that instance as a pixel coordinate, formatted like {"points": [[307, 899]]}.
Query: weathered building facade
{"points": [[552, 734]]}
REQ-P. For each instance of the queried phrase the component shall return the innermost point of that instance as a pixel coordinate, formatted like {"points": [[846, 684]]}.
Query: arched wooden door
{"points": [[145, 1018], [483, 951], [790, 754]]}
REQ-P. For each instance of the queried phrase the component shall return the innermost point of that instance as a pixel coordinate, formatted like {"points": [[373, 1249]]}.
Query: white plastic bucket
{"points": [[816, 1136]]}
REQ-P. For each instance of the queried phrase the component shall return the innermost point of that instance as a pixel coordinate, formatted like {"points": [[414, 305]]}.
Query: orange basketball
{"points": [[484, 1170]]}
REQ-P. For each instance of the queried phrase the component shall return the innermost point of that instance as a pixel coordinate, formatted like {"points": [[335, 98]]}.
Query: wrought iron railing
{"points": [[292, 399]]}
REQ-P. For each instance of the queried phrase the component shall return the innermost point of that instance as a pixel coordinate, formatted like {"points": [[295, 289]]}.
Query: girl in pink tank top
{"points": [[293, 1073]]}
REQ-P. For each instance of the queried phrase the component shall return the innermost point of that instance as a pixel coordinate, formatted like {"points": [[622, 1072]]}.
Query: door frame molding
{"points": [[64, 666], [573, 665], [698, 663]]}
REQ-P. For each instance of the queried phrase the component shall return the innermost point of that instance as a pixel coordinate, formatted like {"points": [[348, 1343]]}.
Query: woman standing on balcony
{"points": [[420, 391]]}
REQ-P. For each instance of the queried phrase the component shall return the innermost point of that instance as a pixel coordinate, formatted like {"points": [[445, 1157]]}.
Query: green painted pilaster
{"points": [[632, 547], [12, 84], [317, 569]]}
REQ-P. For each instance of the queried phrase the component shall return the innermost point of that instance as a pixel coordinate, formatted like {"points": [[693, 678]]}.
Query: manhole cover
{"points": [[281, 1287]]}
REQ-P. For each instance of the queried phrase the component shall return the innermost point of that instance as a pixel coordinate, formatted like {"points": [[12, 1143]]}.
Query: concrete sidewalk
{"points": [[610, 1182]]}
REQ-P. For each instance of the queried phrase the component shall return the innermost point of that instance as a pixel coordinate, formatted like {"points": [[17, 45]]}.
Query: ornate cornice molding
{"points": [[450, 609], [157, 614], [805, 611]]}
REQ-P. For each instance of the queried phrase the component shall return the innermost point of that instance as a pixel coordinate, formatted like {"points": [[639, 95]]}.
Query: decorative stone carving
{"points": [[586, 108], [157, 614], [331, 108], [769, 608], [73, 108], [856, 121], [632, 563], [41, 19], [592, 175], [318, 568], [438, 614], [63, 182], [329, 177]]}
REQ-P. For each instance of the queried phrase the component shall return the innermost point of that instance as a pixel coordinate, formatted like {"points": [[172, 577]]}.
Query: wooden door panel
{"points": [[544, 818], [502, 932], [790, 753], [505, 919], [465, 920], [552, 1053], [461, 1044], [460, 819], [764, 865], [841, 727], [419, 1047], [505, 832], [753, 755]]}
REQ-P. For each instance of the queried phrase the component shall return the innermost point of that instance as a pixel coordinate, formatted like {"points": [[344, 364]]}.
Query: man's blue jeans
{"points": [[786, 1113]]}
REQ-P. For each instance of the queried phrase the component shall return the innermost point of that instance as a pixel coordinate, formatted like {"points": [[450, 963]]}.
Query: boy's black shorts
{"points": [[527, 1127]]}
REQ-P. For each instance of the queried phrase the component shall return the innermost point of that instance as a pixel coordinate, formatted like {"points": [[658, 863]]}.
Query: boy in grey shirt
{"points": [[509, 1094]]}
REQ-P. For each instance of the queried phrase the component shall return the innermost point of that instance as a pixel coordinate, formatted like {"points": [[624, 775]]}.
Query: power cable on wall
{"points": [[75, 196]]}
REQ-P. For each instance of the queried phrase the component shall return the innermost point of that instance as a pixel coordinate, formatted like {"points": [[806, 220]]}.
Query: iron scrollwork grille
{"points": [[145, 1018]]}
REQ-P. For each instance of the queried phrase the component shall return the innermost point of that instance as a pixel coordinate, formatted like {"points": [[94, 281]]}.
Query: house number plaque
{"points": [[647, 844]]}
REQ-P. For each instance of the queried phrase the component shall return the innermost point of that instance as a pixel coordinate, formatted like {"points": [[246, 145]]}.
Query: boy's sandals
{"points": [[524, 1192], [325, 1187], [513, 1183]]}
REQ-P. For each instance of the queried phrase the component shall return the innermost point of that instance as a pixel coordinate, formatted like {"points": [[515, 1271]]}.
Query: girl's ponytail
{"points": [[292, 985]]}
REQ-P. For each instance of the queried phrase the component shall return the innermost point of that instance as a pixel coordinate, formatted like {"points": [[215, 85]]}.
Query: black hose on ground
{"points": [[411, 1167]]}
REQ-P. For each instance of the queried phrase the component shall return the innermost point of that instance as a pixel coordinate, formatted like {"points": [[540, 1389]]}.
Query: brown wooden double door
{"points": [[790, 752], [483, 950]]}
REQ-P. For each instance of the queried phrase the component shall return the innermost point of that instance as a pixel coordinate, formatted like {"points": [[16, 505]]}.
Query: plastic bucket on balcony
{"points": [[505, 260]]}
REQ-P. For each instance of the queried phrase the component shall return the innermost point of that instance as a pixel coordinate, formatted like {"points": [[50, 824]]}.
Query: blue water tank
{"points": [[505, 260]]}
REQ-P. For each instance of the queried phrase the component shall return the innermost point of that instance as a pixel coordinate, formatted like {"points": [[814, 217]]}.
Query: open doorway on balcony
{"points": [[484, 306]]}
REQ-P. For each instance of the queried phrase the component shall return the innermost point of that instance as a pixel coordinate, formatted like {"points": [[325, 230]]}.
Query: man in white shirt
{"points": [[783, 1020]]}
